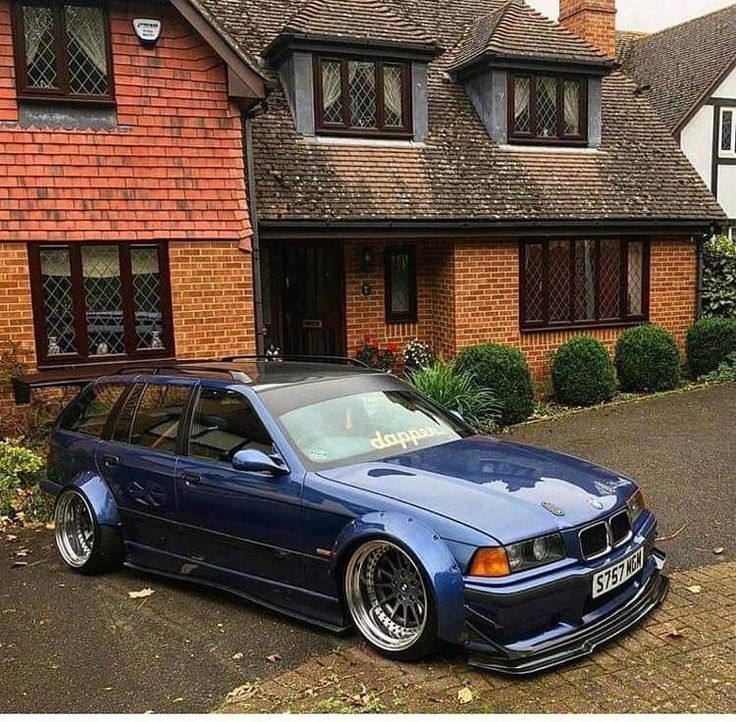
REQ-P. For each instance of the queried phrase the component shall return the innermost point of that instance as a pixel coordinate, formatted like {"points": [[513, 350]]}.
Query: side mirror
{"points": [[256, 461]]}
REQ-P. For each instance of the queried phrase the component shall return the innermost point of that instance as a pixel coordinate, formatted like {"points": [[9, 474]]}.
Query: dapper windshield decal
{"points": [[403, 438]]}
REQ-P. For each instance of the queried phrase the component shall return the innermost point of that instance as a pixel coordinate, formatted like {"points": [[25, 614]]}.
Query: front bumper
{"points": [[566, 640]]}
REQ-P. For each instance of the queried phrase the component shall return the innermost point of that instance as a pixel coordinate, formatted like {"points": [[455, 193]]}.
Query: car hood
{"points": [[507, 490]]}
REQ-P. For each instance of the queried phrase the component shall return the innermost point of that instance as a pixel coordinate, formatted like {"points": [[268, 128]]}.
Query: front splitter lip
{"points": [[580, 643]]}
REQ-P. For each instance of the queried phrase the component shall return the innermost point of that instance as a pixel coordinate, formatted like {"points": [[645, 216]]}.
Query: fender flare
{"points": [[100, 498], [441, 568]]}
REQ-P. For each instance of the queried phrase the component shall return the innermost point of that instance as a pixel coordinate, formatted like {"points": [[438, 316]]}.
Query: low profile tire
{"points": [[390, 601], [85, 545]]}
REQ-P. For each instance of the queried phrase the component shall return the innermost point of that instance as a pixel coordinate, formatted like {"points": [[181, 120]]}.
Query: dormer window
{"points": [[548, 109], [358, 96]]}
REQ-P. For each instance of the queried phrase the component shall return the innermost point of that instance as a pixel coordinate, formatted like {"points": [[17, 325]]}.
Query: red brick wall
{"points": [[593, 20], [474, 298], [366, 316], [172, 168], [212, 300]]}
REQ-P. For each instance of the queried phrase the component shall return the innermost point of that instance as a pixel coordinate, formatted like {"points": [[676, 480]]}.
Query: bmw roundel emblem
{"points": [[595, 503], [553, 508]]}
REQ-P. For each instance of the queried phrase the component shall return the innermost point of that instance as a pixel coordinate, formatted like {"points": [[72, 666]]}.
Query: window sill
{"points": [[365, 142], [79, 100], [536, 148], [583, 326]]}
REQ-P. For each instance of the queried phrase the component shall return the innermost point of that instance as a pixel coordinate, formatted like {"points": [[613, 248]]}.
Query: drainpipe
{"points": [[699, 297], [250, 181]]}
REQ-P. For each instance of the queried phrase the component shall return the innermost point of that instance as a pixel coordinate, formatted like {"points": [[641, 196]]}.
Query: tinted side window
{"points": [[121, 431], [156, 422], [223, 423], [89, 413]]}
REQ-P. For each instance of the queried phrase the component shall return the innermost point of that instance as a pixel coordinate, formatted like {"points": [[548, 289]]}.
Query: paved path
{"points": [[76, 644]]}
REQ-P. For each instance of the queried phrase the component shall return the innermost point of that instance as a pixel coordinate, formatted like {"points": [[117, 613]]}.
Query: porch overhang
{"points": [[482, 228]]}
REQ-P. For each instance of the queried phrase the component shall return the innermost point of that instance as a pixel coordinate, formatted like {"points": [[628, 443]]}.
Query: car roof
{"points": [[259, 374]]}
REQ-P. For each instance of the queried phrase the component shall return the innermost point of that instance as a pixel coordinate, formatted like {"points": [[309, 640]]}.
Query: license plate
{"points": [[615, 576]]}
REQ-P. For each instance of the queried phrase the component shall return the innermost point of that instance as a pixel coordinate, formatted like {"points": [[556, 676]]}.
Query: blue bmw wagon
{"points": [[340, 496]]}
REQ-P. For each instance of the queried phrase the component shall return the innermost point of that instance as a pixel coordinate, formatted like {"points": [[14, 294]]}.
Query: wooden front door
{"points": [[309, 280]]}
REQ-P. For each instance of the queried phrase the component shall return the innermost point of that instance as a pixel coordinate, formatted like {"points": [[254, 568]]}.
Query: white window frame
{"points": [[732, 152]]}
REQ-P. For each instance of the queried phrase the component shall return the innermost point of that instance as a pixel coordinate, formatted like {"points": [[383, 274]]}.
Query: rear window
{"points": [[157, 418], [89, 412]]}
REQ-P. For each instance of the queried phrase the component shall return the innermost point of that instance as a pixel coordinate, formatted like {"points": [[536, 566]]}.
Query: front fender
{"points": [[99, 496], [440, 566]]}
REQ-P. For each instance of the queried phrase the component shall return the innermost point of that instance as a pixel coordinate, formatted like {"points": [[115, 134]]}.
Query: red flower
{"points": [[392, 347], [367, 339]]}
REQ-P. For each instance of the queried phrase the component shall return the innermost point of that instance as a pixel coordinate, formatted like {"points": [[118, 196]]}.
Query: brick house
{"points": [[124, 226], [688, 74], [459, 172]]}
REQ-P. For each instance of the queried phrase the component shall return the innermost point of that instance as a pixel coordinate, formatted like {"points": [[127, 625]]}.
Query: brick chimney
{"points": [[593, 20]]}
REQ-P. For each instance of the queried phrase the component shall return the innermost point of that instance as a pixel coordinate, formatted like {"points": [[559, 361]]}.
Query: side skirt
{"points": [[311, 607]]}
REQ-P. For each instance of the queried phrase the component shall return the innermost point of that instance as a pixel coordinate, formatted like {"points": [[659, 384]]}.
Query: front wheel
{"points": [[390, 602], [86, 546]]}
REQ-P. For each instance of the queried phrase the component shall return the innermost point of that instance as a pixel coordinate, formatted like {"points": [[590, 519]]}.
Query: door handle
{"points": [[191, 478], [110, 460]]}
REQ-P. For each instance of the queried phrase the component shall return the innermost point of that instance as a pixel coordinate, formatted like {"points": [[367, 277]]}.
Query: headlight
{"points": [[502, 561], [636, 506]]}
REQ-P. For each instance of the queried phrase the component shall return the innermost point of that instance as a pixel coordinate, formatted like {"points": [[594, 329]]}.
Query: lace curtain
{"points": [[392, 95], [86, 27]]}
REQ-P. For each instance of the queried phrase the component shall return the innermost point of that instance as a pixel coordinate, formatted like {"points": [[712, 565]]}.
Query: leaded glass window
{"points": [[362, 97], [98, 301], [62, 49], [547, 109], [583, 282], [401, 285], [522, 107], [728, 131]]}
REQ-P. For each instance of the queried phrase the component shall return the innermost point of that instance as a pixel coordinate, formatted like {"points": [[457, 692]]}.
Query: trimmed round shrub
{"points": [[504, 371], [647, 359], [582, 373], [710, 342]]}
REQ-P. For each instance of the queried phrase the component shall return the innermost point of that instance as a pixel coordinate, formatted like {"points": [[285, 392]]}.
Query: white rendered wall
{"points": [[696, 141]]}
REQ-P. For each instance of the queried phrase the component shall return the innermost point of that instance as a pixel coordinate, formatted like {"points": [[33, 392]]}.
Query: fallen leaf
{"points": [[238, 655], [695, 589], [274, 658], [22, 553], [50, 525], [142, 594], [675, 633], [178, 699], [19, 563], [465, 695], [718, 550], [243, 692], [11, 538], [107, 689]]}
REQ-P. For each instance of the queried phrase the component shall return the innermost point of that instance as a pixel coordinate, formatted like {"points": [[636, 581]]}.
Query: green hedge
{"points": [[582, 373], [719, 278], [710, 342], [647, 359], [504, 371]]}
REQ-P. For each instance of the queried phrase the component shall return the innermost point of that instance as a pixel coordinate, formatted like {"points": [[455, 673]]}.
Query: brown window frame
{"points": [[82, 355], [62, 93], [381, 130], [623, 319], [532, 138], [410, 316]]}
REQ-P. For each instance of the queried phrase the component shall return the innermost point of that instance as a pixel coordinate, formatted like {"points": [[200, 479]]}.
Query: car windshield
{"points": [[366, 426]]}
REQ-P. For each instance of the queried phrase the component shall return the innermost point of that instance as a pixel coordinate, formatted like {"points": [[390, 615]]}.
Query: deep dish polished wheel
{"points": [[75, 529], [83, 544], [388, 600]]}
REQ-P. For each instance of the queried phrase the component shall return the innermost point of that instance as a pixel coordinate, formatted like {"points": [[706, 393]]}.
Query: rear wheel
{"points": [[86, 546], [390, 602]]}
